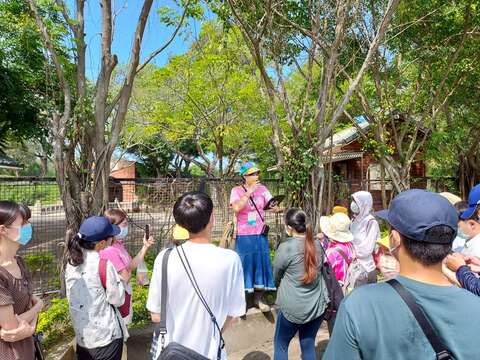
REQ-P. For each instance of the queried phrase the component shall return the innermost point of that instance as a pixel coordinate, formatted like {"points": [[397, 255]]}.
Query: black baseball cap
{"points": [[414, 212], [96, 228]]}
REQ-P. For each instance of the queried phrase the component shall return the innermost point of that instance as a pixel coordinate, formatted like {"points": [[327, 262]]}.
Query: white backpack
{"points": [[354, 272]]}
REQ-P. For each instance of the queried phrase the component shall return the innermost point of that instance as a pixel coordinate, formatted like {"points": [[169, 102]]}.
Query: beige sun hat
{"points": [[452, 198], [337, 227]]}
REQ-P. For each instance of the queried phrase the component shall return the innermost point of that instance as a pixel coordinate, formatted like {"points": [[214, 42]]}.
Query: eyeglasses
{"points": [[253, 174]]}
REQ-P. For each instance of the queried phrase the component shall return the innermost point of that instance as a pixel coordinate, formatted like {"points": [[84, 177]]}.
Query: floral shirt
{"points": [[248, 220], [337, 261], [96, 322]]}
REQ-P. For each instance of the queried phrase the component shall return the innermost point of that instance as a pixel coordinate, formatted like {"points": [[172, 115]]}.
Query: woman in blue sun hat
{"points": [[248, 201]]}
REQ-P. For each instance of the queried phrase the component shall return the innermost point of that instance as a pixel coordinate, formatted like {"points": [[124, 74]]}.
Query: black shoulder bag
{"points": [[441, 351], [335, 292], [176, 351], [265, 228]]}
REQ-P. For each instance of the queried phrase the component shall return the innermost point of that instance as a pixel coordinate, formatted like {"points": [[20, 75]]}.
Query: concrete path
{"points": [[246, 339]]}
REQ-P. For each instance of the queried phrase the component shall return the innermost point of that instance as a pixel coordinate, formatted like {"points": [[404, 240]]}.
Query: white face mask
{"points": [[391, 250], [354, 207], [462, 235]]}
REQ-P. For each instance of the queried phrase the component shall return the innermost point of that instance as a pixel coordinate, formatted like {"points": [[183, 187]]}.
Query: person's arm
{"points": [[125, 275], [473, 263], [13, 328], [468, 280], [279, 265], [115, 289], [147, 243], [238, 201], [236, 293], [226, 324], [155, 317], [155, 290], [372, 234], [32, 313]]}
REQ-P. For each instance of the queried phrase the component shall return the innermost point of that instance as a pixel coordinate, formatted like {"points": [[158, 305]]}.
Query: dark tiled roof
{"points": [[341, 156], [6, 162]]}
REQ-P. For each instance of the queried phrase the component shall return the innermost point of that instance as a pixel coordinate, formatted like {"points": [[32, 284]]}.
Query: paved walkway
{"points": [[247, 339]]}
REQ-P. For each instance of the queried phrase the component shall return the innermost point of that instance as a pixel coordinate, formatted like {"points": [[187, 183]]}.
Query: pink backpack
{"points": [[102, 270]]}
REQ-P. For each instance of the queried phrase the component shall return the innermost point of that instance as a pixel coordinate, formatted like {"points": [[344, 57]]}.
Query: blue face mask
{"points": [[25, 234], [123, 232]]}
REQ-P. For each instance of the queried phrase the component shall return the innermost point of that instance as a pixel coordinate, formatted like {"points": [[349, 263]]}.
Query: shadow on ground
{"points": [[257, 355], [321, 346]]}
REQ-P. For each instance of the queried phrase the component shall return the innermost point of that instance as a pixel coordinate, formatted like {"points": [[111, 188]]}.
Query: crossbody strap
{"points": [[161, 328], [343, 255], [440, 349], [194, 283], [255, 205]]}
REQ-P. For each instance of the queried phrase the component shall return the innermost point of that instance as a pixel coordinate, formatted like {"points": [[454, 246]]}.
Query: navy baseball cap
{"points": [[96, 228], [473, 202], [414, 212]]}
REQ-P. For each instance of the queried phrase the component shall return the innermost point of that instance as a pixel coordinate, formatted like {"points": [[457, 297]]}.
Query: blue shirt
{"points": [[468, 280], [373, 322]]}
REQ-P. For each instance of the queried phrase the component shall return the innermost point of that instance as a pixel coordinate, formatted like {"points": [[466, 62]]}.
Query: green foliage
{"points": [[25, 78], [55, 323], [208, 97], [44, 262], [31, 193], [299, 162], [141, 316]]}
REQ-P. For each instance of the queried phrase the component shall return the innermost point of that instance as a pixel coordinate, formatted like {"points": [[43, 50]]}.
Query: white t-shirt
{"points": [[219, 276], [472, 246]]}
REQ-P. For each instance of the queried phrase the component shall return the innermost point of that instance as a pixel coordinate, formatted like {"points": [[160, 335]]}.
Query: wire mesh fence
{"points": [[146, 201]]}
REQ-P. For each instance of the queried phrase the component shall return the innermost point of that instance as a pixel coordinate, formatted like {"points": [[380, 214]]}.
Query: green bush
{"points": [[43, 262], [55, 323], [30, 193], [141, 316]]}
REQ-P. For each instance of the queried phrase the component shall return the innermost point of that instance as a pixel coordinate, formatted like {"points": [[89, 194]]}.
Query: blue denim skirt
{"points": [[257, 268]]}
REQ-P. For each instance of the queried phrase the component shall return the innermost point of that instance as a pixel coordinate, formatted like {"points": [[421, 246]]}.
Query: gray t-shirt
{"points": [[373, 322], [299, 303]]}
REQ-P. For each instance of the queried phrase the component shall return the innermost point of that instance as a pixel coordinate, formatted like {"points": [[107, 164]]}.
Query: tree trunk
{"points": [[382, 186], [43, 166]]}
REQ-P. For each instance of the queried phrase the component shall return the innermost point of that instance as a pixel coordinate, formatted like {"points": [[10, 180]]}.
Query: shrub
{"points": [[55, 323]]}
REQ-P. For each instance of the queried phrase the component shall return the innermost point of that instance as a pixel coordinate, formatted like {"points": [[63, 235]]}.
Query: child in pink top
{"points": [[339, 248], [118, 254]]}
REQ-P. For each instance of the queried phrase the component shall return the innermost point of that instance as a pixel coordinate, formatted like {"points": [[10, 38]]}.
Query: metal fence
{"points": [[147, 201]]}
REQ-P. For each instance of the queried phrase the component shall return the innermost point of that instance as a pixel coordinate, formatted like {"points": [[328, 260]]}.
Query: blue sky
{"points": [[156, 34]]}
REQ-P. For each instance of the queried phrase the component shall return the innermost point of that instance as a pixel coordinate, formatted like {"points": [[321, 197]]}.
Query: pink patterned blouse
{"points": [[337, 261]]}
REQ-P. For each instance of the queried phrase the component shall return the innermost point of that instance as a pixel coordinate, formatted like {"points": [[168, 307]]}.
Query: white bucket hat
{"points": [[337, 227]]}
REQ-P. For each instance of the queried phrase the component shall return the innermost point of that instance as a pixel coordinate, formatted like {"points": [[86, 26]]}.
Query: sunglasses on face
{"points": [[253, 174]]}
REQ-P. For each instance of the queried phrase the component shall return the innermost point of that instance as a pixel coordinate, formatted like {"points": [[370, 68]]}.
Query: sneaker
{"points": [[263, 307]]}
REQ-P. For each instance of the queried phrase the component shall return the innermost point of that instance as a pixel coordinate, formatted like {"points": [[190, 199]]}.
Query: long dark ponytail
{"points": [[298, 220], [75, 249]]}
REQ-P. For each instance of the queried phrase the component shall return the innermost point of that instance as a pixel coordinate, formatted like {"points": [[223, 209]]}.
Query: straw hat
{"points": [[339, 209], [179, 233], [337, 227], [452, 198], [384, 241]]}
